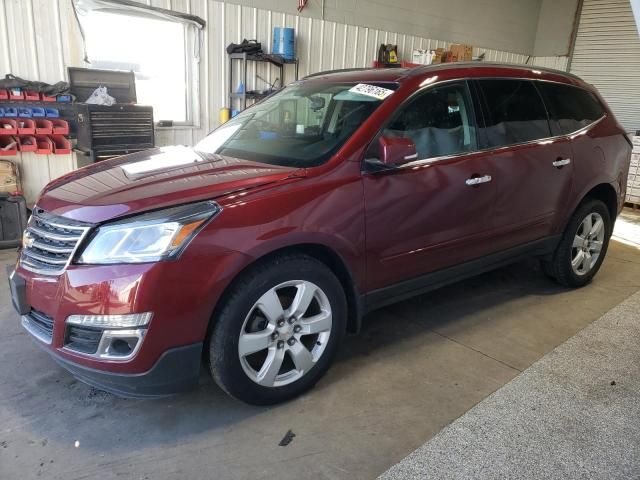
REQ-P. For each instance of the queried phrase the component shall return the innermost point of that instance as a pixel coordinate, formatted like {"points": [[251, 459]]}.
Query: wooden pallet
{"points": [[633, 205]]}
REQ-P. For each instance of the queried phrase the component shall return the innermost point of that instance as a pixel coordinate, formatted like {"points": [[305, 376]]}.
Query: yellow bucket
{"points": [[224, 115]]}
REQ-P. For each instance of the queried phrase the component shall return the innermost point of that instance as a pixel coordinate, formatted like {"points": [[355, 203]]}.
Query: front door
{"points": [[435, 211]]}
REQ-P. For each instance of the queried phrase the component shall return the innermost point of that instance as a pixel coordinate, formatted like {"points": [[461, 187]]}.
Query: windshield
{"points": [[300, 126]]}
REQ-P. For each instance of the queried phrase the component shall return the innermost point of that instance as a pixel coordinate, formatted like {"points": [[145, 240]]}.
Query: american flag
{"points": [[301, 4]]}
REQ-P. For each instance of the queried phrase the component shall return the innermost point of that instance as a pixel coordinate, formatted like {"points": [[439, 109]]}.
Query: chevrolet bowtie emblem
{"points": [[27, 241]]}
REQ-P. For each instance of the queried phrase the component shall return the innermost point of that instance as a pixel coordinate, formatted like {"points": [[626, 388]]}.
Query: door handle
{"points": [[477, 180], [561, 162]]}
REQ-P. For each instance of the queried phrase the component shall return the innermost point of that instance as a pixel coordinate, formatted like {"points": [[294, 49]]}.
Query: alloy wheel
{"points": [[587, 244], [285, 333]]}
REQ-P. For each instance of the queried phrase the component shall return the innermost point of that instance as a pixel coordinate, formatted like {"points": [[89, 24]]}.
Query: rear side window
{"points": [[513, 111], [570, 108]]}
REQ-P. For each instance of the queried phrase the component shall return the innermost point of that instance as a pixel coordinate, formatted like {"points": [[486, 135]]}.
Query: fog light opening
{"points": [[120, 344], [122, 347]]}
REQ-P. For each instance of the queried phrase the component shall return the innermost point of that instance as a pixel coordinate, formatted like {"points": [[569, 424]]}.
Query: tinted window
{"points": [[514, 112], [570, 107], [438, 121]]}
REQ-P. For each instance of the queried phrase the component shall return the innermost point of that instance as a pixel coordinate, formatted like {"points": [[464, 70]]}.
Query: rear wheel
{"points": [[583, 246], [278, 330]]}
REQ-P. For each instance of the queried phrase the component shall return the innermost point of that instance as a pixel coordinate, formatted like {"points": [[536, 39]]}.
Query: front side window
{"points": [[570, 107], [301, 126], [439, 122], [513, 111]]}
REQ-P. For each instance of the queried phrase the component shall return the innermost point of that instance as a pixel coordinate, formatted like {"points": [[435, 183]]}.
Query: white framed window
{"points": [[162, 51]]}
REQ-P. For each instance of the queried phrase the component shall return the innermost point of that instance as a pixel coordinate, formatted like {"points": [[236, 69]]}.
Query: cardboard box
{"points": [[462, 52], [457, 52], [450, 57], [439, 56], [8, 177], [468, 53]]}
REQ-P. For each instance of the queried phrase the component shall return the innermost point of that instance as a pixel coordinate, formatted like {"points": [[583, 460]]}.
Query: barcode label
{"points": [[371, 91]]}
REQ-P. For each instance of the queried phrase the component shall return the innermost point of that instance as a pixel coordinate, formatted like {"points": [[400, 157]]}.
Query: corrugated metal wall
{"points": [[607, 54], [40, 38], [559, 63]]}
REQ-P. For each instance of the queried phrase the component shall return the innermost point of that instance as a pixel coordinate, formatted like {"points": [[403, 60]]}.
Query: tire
{"points": [[562, 266], [257, 307]]}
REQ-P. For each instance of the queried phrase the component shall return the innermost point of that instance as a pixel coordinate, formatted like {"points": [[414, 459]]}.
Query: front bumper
{"points": [[180, 294], [177, 370]]}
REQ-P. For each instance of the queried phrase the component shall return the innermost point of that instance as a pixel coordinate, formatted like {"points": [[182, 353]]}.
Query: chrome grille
{"points": [[49, 242]]}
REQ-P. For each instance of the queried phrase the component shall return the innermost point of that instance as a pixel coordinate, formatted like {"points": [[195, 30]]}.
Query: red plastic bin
{"points": [[8, 146], [8, 126], [43, 127], [47, 98], [60, 127], [16, 94], [61, 146], [32, 96], [4, 95], [26, 126], [27, 143], [44, 145]]}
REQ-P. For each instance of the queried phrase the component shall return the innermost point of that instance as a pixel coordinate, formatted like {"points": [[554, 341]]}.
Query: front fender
{"points": [[325, 210]]}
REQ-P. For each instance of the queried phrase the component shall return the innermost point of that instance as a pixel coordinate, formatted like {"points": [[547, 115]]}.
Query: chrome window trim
{"points": [[430, 160], [567, 136]]}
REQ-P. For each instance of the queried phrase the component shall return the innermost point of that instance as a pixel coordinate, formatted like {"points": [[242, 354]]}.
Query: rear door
{"points": [[533, 168], [435, 211], [574, 113]]}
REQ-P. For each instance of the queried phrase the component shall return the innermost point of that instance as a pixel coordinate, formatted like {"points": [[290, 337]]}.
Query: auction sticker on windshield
{"points": [[371, 91]]}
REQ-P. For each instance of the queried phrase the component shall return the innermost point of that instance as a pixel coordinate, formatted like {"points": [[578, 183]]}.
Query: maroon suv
{"points": [[260, 247]]}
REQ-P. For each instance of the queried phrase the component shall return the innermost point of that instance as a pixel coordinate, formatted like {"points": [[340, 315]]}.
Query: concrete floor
{"points": [[415, 368], [571, 415]]}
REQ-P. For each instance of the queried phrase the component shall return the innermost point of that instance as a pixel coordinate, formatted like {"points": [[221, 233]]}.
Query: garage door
{"points": [[607, 55]]}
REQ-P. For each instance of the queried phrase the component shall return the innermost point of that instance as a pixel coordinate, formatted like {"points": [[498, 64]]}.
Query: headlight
{"points": [[150, 237]]}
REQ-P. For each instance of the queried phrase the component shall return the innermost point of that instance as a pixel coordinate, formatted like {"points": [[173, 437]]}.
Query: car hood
{"points": [[156, 178]]}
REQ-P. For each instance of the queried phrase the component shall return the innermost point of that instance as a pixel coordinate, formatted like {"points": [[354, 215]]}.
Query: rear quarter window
{"points": [[513, 112], [570, 108]]}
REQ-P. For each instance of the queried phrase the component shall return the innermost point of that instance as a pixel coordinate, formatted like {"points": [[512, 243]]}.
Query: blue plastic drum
{"points": [[284, 42]]}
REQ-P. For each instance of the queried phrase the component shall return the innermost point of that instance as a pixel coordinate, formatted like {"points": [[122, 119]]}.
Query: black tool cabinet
{"points": [[105, 132]]}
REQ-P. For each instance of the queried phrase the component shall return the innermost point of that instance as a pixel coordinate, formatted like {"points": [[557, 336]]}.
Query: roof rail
{"points": [[523, 66], [339, 70]]}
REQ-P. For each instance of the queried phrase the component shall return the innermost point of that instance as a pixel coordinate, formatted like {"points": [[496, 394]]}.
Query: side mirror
{"points": [[395, 151]]}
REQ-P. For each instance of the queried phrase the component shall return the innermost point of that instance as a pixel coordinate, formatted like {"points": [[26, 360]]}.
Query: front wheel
{"points": [[583, 246], [278, 330]]}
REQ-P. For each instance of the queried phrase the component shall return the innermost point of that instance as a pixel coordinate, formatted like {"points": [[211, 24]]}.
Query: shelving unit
{"points": [[233, 83]]}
